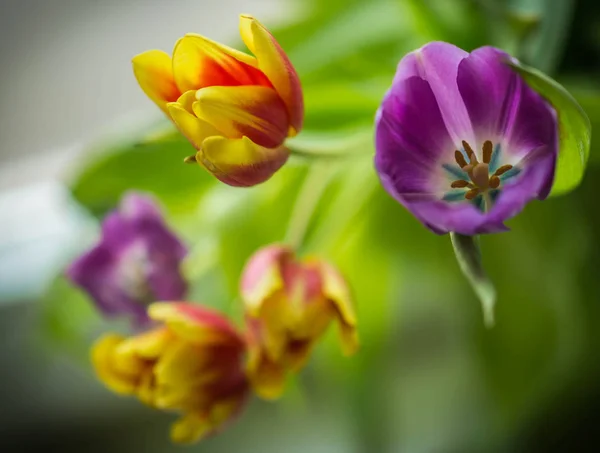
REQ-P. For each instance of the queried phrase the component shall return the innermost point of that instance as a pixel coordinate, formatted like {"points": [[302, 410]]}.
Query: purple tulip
{"points": [[135, 263], [462, 141]]}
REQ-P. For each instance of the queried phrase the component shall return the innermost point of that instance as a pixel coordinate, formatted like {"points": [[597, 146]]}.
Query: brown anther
{"points": [[488, 149], [503, 170], [494, 182], [459, 184], [472, 194], [460, 159], [470, 152]]}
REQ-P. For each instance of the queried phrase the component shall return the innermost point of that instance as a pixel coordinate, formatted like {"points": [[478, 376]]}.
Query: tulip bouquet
{"points": [[463, 141]]}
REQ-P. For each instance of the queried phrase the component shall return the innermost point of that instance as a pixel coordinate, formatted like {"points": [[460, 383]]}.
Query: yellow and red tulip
{"points": [[190, 364], [289, 305], [236, 109]]}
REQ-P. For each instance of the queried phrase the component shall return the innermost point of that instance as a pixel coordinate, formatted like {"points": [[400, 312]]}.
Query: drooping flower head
{"points": [[236, 109], [462, 141], [135, 263], [289, 305], [191, 365]]}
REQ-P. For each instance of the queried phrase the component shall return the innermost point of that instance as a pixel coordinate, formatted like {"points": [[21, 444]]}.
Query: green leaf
{"points": [[589, 99], [152, 163], [574, 125], [468, 255]]}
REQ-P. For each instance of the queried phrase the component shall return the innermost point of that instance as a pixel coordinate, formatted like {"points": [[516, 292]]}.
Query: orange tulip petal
{"points": [[154, 72], [255, 112], [273, 61], [199, 62], [240, 162]]}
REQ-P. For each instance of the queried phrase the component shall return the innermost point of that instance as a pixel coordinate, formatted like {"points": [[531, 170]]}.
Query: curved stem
{"points": [[325, 154], [314, 185]]}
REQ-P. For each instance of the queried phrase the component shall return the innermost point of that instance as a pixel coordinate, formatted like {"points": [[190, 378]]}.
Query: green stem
{"points": [[324, 154], [314, 185]]}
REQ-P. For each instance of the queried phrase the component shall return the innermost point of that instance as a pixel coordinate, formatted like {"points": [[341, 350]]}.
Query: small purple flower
{"points": [[136, 262], [462, 142]]}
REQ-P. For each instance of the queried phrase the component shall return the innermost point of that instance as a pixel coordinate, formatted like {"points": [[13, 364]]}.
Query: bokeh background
{"points": [[430, 378]]}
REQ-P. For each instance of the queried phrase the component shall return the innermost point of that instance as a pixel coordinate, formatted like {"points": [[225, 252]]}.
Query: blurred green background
{"points": [[429, 377]]}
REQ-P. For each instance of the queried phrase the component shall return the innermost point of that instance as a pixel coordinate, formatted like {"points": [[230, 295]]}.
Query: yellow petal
{"points": [[266, 377], [240, 162], [187, 99], [191, 428], [273, 61], [336, 289], [274, 320], [146, 389], [192, 128], [154, 72], [252, 111], [184, 365], [149, 345], [102, 355], [199, 62]]}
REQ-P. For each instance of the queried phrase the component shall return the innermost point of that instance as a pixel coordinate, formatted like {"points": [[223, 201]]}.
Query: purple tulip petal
{"points": [[535, 128], [491, 92], [137, 206], [438, 63], [411, 137]]}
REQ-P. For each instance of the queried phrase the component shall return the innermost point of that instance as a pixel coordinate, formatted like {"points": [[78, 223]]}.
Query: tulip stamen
{"points": [[480, 179]]}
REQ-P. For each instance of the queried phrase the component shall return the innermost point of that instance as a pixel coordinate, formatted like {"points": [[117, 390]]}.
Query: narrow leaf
{"points": [[468, 255]]}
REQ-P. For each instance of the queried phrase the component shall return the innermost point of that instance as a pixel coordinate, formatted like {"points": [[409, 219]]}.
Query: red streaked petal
{"points": [[199, 62], [262, 276], [240, 162], [275, 64], [255, 112]]}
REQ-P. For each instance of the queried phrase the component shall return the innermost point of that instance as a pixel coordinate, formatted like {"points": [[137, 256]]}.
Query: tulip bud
{"points": [[236, 109], [289, 305], [135, 263], [191, 365]]}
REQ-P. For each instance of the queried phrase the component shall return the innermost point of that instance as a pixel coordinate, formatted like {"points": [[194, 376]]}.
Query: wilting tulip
{"points": [[135, 263], [191, 365], [289, 305], [236, 109], [462, 141]]}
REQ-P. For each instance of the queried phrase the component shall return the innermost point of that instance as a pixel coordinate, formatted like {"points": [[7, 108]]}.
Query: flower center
{"points": [[133, 275], [479, 182], [479, 174]]}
